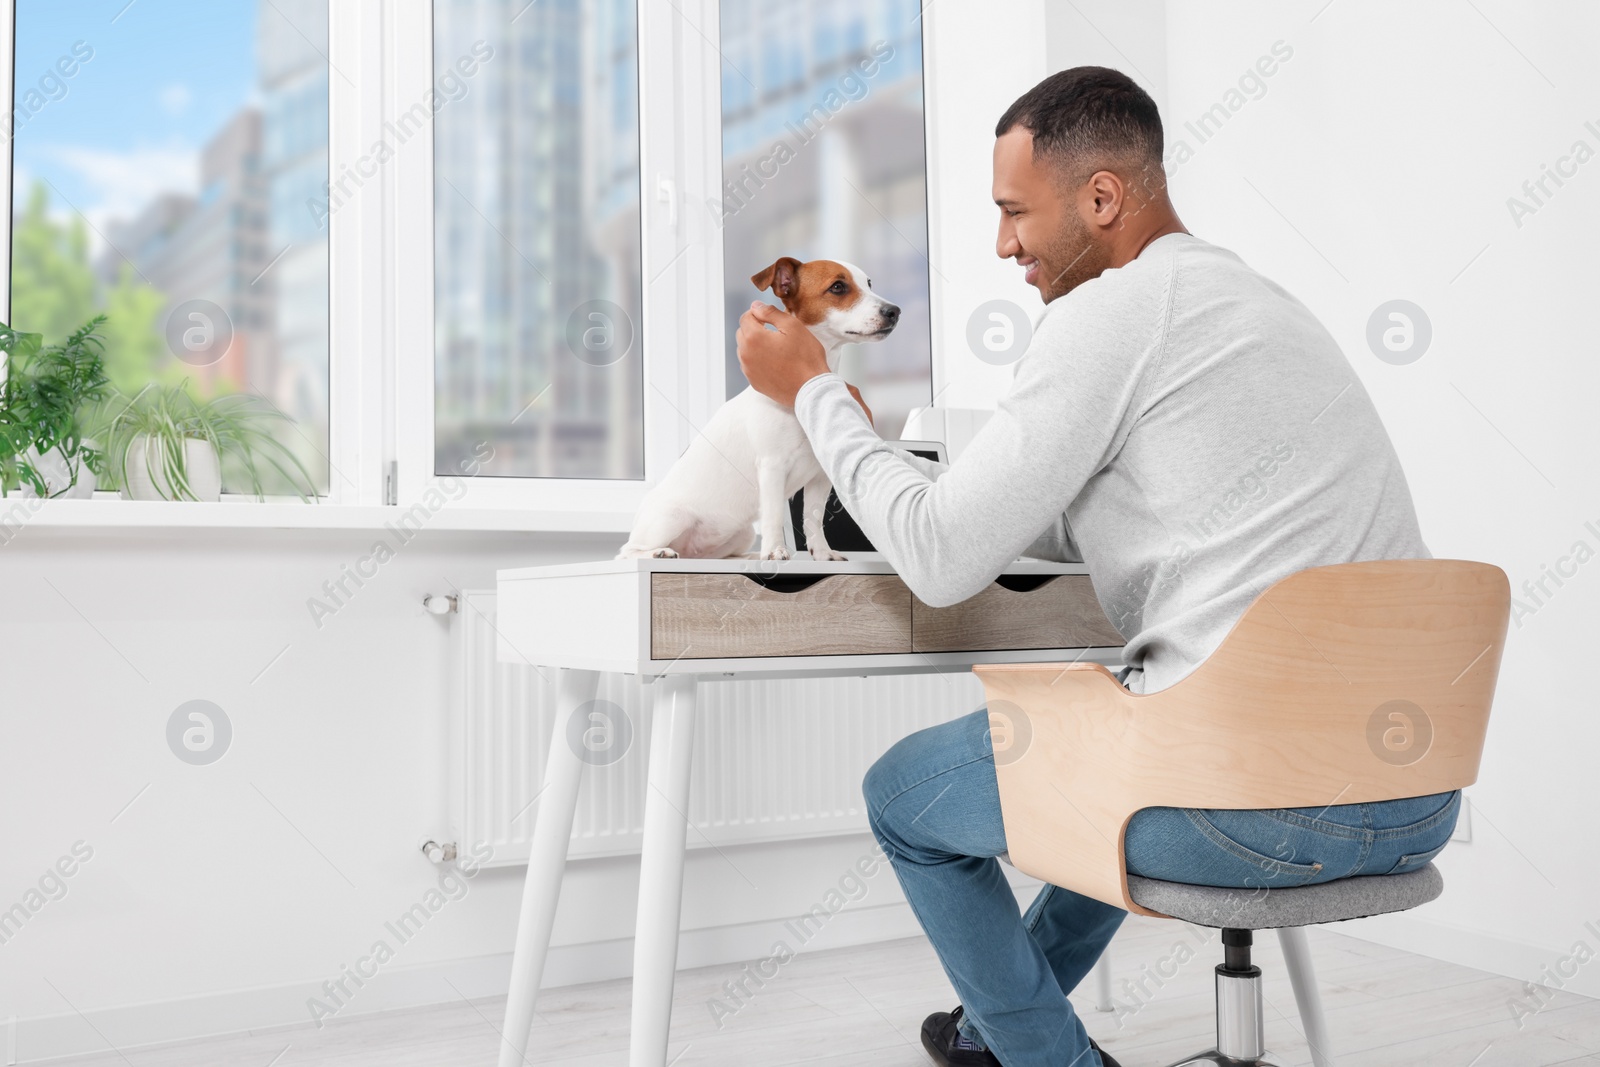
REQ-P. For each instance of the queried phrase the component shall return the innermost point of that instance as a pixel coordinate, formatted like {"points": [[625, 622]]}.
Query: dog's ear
{"points": [[783, 278]]}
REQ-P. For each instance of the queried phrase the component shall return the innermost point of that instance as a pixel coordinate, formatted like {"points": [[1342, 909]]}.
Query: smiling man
{"points": [[1188, 430]]}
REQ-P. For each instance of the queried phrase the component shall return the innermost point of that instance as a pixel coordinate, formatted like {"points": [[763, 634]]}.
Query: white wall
{"points": [[1129, 36], [984, 58], [1377, 165], [977, 64]]}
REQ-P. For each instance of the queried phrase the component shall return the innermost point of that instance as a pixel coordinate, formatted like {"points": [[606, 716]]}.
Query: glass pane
{"points": [[169, 170], [823, 158], [537, 349]]}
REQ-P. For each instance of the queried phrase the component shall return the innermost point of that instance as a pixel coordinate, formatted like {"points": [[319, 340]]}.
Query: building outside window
{"points": [[539, 348]]}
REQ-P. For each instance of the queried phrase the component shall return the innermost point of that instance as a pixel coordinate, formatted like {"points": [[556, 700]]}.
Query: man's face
{"points": [[1041, 225]]}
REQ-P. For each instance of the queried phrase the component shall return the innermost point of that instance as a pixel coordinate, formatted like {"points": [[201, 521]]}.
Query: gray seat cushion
{"points": [[1269, 909]]}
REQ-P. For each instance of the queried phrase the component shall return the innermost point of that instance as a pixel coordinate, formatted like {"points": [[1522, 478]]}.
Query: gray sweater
{"points": [[1182, 425]]}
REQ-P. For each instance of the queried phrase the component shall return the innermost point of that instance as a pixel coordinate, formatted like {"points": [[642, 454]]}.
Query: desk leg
{"points": [[547, 860], [666, 823]]}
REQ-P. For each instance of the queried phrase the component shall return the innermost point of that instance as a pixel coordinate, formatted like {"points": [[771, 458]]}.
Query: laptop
{"points": [[843, 534]]}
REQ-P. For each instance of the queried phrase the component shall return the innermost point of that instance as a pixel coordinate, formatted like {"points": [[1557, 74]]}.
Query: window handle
{"points": [[667, 193]]}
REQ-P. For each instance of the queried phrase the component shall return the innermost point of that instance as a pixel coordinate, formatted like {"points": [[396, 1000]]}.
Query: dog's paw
{"points": [[776, 553], [829, 555], [664, 553]]}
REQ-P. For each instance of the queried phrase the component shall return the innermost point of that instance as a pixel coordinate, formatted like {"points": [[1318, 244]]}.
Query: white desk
{"points": [[677, 622]]}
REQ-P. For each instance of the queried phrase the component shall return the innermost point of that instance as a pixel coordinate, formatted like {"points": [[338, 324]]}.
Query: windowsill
{"points": [[16, 514]]}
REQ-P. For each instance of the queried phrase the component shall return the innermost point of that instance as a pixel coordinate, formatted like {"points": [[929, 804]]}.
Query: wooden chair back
{"points": [[1346, 684]]}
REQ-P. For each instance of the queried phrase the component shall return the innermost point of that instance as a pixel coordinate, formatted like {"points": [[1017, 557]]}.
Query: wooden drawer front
{"points": [[1061, 613], [728, 616]]}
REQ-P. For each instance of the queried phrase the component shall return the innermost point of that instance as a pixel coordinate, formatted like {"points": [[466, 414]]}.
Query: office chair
{"points": [[1347, 684]]}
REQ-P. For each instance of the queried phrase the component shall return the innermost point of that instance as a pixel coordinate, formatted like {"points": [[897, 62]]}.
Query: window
{"points": [[538, 347], [482, 243], [164, 156], [823, 157]]}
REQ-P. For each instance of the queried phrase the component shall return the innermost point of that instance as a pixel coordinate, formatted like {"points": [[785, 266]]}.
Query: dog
{"points": [[738, 474]]}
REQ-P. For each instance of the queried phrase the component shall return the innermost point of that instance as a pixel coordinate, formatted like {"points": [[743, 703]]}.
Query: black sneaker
{"points": [[1105, 1057], [941, 1036]]}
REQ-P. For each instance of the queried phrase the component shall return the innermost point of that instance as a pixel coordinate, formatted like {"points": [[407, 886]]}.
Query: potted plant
{"points": [[47, 389], [165, 444]]}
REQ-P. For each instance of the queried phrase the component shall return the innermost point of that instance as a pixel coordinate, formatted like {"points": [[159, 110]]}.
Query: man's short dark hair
{"points": [[1087, 119]]}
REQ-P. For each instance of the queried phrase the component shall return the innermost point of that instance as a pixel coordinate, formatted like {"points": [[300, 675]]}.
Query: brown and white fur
{"points": [[741, 470]]}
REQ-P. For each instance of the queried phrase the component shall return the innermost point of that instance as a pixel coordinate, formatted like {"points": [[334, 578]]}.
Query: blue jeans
{"points": [[934, 806]]}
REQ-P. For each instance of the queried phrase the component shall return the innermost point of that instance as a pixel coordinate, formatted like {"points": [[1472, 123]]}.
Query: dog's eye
{"points": [[838, 287]]}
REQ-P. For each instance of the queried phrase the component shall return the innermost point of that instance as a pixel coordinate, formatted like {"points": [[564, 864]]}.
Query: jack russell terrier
{"points": [[741, 470]]}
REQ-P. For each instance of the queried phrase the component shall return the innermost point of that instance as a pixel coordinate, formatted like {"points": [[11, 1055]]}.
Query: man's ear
{"points": [[1105, 197], [783, 278]]}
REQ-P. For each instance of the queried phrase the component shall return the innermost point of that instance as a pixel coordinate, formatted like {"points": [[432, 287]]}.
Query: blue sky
{"points": [[165, 76]]}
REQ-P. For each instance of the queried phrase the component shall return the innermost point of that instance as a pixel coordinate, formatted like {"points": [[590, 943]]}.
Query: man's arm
{"points": [[1056, 543], [1068, 412], [930, 467], [947, 538]]}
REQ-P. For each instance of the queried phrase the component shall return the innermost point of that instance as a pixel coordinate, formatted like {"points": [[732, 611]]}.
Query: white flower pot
{"points": [[56, 471], [201, 467]]}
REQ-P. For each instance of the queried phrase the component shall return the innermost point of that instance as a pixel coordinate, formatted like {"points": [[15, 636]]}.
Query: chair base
{"points": [[1217, 1059], [1241, 1030]]}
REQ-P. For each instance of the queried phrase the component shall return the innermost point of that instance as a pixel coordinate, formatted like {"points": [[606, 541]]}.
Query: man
{"points": [[1188, 430]]}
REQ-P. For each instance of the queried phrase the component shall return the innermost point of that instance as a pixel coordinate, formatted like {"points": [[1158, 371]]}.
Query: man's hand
{"points": [[777, 362]]}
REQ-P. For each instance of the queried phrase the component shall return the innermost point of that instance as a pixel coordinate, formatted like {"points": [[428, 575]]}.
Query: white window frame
{"points": [[359, 385], [680, 164]]}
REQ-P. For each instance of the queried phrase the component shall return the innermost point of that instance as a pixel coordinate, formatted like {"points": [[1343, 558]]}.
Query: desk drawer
{"points": [[1062, 612], [728, 616]]}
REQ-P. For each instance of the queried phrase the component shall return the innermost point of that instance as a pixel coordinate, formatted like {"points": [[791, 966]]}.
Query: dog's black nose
{"points": [[890, 313]]}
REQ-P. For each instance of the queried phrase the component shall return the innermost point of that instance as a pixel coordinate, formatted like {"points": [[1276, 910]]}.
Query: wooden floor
{"points": [[1386, 1008]]}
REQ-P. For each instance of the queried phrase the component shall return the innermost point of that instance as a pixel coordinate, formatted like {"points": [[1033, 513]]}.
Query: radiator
{"points": [[774, 761]]}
